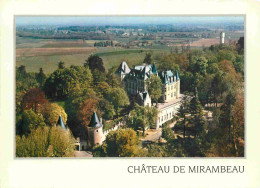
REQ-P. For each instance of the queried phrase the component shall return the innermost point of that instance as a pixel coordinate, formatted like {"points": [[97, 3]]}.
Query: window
{"points": [[165, 97], [172, 88], [167, 116], [97, 130], [171, 94]]}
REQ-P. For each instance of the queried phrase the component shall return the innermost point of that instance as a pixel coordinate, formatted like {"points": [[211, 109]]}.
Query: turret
{"points": [[61, 123], [177, 85], [154, 69], [95, 131]]}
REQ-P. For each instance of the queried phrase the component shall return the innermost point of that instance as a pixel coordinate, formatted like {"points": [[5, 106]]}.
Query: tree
{"points": [[183, 111], [240, 45], [118, 97], [148, 58], [86, 110], [197, 118], [198, 65], [143, 117], [122, 143], [106, 108], [63, 81], [34, 99], [52, 112], [226, 116], [41, 77], [237, 113], [46, 142], [95, 62], [29, 121], [61, 65], [176, 49], [167, 133], [155, 88]]}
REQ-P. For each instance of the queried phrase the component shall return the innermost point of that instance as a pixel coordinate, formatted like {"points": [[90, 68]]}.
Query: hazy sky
{"points": [[116, 20]]}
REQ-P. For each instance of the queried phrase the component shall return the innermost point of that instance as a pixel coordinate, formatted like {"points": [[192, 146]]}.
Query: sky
{"points": [[119, 20]]}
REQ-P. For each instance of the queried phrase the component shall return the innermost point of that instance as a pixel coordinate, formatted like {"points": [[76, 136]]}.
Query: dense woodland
{"points": [[212, 78]]}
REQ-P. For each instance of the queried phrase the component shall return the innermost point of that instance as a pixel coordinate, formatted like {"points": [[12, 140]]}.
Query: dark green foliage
{"points": [[104, 44], [107, 109], [148, 58], [61, 65], [41, 77], [167, 133], [28, 121], [63, 81], [118, 97], [183, 111], [197, 118], [95, 62], [154, 85], [143, 117]]}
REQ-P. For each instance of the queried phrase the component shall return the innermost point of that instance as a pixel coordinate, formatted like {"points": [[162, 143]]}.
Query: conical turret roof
{"points": [[94, 122], [177, 76], [154, 70], [61, 123]]}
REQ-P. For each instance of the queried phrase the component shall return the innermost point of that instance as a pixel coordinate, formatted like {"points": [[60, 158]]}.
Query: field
{"points": [[48, 58], [46, 53], [25, 52]]}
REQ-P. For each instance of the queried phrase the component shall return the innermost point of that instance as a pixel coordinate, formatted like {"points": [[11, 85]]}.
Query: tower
{"points": [[61, 123], [95, 131], [177, 85], [222, 38]]}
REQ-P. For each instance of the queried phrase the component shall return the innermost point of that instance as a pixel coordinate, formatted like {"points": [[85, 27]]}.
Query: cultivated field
{"points": [[25, 52], [50, 63]]}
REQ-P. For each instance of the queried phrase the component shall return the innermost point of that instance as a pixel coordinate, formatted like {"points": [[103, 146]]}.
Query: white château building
{"points": [[135, 84]]}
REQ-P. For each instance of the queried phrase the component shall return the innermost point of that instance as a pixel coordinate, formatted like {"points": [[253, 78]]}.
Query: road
{"points": [[155, 135], [83, 154]]}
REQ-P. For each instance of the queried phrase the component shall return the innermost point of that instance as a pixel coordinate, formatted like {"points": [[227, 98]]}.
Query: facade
{"points": [[123, 70], [144, 99], [135, 84], [171, 85], [168, 110]]}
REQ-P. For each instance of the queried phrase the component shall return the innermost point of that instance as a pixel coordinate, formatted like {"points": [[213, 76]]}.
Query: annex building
{"points": [[135, 85]]}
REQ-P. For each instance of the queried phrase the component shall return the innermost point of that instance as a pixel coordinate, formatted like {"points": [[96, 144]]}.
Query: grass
{"points": [[109, 125], [102, 54], [50, 63], [111, 57]]}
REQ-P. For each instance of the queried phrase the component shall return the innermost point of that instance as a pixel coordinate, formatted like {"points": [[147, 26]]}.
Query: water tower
{"points": [[222, 38]]}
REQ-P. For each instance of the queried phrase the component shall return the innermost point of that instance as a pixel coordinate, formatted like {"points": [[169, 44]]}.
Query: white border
{"points": [[113, 172]]}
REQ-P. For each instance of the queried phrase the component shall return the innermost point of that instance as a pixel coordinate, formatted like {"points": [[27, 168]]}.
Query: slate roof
{"points": [[94, 122], [169, 77], [123, 68], [154, 70], [61, 123], [177, 76], [143, 95]]}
